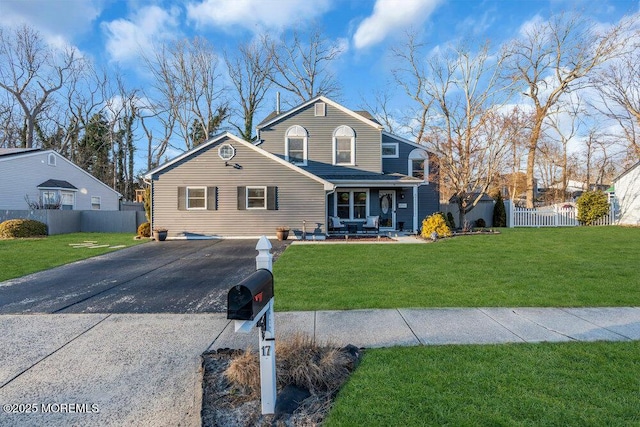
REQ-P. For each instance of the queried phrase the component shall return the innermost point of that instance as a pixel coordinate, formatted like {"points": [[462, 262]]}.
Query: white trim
{"points": [[415, 209], [344, 131], [351, 191], [233, 152], [296, 131], [390, 156], [327, 185], [327, 101], [186, 198], [320, 112], [419, 154], [99, 203], [255, 187]]}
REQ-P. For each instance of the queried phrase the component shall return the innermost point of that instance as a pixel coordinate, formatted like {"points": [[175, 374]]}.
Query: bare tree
{"points": [[381, 110], [32, 73], [553, 58], [619, 89], [303, 67], [465, 126], [412, 75], [187, 83], [250, 70]]}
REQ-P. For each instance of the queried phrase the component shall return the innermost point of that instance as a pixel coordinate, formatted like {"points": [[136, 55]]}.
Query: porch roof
{"points": [[374, 180]]}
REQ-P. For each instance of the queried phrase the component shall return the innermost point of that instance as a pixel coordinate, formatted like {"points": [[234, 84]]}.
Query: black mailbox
{"points": [[247, 298]]}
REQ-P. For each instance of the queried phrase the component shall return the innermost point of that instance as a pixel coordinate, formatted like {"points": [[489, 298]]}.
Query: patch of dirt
{"points": [[225, 404]]}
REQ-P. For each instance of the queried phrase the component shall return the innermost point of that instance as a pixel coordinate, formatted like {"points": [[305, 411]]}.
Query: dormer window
{"points": [[295, 145], [344, 146], [320, 109], [419, 164]]}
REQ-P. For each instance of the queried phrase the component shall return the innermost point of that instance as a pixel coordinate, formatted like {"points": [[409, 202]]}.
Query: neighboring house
{"points": [[627, 195], [316, 161], [47, 179]]}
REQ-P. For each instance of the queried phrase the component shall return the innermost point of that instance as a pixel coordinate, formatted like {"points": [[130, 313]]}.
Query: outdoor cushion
{"points": [[335, 222], [372, 222]]}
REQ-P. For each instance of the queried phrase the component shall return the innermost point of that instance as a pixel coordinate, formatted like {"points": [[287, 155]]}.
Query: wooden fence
{"points": [[561, 215]]}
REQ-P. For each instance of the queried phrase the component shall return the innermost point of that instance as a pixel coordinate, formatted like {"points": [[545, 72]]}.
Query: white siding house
{"points": [[46, 177], [627, 188]]}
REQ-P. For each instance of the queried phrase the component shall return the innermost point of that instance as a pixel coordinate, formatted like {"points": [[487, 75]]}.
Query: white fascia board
{"points": [[406, 141], [375, 184], [327, 101]]}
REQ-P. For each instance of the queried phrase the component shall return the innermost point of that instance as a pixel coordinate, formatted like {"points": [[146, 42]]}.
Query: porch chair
{"points": [[372, 224], [335, 225]]}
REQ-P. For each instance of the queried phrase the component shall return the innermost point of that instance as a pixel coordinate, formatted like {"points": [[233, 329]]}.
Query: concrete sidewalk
{"points": [[144, 369]]}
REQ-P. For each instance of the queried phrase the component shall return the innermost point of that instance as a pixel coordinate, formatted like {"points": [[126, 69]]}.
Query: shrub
{"points": [[14, 228], [592, 206], [144, 230], [481, 223], [437, 223], [499, 212], [450, 221]]}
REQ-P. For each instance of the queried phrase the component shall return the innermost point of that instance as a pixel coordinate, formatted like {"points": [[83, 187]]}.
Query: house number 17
{"points": [[266, 350]]}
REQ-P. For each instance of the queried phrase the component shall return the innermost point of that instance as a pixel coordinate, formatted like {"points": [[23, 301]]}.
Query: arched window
{"points": [[295, 145], [344, 146], [419, 164], [51, 159]]}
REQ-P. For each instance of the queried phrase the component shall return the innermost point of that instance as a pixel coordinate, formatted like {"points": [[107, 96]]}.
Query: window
{"points": [[419, 164], [352, 204], [344, 146], [295, 145], [196, 198], [226, 152], [95, 203], [390, 150], [256, 197], [320, 109], [51, 159], [50, 200]]}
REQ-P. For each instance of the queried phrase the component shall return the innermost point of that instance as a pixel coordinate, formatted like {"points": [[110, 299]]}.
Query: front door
{"points": [[387, 209]]}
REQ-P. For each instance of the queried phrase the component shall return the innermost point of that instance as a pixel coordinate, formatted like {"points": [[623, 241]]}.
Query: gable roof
{"points": [[271, 118], [217, 138], [28, 152], [57, 183], [406, 141], [15, 151]]}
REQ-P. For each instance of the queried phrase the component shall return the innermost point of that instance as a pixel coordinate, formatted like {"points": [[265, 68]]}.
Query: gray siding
{"points": [[21, 175], [299, 197], [320, 145]]}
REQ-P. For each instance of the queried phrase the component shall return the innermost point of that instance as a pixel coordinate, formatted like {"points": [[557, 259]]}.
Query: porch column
{"points": [[415, 209]]}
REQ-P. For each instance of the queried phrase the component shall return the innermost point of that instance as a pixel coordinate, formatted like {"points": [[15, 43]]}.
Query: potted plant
{"points": [[282, 233], [160, 234]]}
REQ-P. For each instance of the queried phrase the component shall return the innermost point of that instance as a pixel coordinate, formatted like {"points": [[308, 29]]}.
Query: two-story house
{"points": [[316, 161]]}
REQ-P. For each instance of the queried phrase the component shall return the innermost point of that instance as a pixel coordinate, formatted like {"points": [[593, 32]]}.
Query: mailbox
{"points": [[246, 299]]}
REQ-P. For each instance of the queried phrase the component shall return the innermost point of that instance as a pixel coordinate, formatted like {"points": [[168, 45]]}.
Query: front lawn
{"points": [[567, 384], [19, 257], [569, 267]]}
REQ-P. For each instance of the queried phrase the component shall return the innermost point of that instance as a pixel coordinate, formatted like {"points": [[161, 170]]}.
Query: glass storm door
{"points": [[387, 209]]}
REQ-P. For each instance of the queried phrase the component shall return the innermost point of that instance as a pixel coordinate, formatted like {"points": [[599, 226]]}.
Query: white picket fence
{"points": [[561, 215]]}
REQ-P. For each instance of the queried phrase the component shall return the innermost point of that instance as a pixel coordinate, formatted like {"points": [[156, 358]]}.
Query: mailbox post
{"points": [[250, 303]]}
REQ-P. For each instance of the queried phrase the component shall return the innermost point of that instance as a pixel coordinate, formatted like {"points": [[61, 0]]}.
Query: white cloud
{"points": [[390, 16], [58, 25], [126, 38], [256, 15]]}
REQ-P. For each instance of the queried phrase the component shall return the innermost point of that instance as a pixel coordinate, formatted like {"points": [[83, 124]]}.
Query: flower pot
{"points": [[160, 235], [282, 234]]}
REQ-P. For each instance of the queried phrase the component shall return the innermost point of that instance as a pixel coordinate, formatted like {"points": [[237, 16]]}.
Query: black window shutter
{"points": [[182, 198], [242, 198], [272, 198], [212, 198]]}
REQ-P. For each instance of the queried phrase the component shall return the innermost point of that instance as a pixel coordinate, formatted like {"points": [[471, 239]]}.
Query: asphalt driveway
{"points": [[178, 276]]}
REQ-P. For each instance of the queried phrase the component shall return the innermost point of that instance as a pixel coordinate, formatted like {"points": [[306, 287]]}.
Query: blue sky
{"points": [[112, 32]]}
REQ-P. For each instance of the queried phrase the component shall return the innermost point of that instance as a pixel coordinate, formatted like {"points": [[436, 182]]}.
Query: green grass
{"points": [[568, 384], [24, 256], [570, 267]]}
